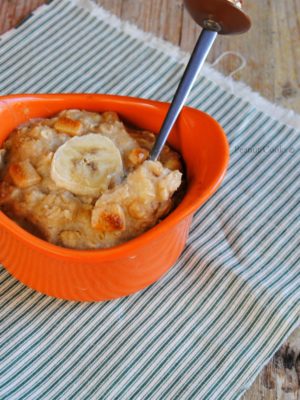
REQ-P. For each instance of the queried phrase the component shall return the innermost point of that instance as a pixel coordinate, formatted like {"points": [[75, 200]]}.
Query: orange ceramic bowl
{"points": [[107, 274]]}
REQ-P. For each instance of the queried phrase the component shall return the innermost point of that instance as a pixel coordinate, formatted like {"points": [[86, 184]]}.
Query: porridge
{"points": [[83, 180]]}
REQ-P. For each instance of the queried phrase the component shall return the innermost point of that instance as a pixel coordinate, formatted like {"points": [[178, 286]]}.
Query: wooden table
{"points": [[271, 49], [272, 54]]}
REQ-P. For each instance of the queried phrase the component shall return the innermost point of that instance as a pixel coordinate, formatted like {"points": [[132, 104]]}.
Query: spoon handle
{"points": [[196, 62]]}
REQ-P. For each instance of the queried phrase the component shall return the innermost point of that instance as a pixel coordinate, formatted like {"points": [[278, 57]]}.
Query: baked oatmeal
{"points": [[82, 179]]}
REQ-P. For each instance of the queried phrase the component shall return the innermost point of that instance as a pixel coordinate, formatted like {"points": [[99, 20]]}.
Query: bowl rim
{"points": [[173, 219]]}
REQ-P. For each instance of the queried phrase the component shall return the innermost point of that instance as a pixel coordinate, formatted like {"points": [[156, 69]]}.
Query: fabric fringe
{"points": [[239, 89]]}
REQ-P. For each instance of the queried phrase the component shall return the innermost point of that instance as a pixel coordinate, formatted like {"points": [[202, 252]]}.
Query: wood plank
{"points": [[271, 50], [13, 11], [189, 32], [280, 379], [162, 17], [114, 6], [286, 22]]}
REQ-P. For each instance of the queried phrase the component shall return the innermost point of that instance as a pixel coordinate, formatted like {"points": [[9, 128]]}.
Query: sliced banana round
{"points": [[87, 165]]}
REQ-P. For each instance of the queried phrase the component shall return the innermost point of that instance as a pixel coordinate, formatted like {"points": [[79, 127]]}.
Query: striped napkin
{"points": [[205, 330]]}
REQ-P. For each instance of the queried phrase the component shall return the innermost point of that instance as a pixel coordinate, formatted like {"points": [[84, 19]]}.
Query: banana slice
{"points": [[86, 165]]}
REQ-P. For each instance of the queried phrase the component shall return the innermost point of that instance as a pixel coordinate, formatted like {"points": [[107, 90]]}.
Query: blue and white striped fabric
{"points": [[208, 326]]}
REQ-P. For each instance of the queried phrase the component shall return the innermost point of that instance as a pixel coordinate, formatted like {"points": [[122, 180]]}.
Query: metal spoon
{"points": [[215, 17]]}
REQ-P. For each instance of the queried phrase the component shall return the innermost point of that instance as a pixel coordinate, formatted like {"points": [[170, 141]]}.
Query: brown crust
{"points": [[109, 219], [16, 172], [23, 174], [110, 116], [67, 125], [114, 222], [137, 156]]}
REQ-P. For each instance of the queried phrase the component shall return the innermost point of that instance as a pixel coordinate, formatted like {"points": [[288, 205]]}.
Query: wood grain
{"points": [[272, 53], [162, 17], [280, 379], [271, 49], [13, 11]]}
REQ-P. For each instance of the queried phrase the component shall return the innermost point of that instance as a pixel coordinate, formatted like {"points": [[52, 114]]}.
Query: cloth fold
{"points": [[206, 329]]}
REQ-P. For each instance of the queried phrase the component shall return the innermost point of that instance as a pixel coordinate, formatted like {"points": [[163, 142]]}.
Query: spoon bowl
{"points": [[228, 14]]}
